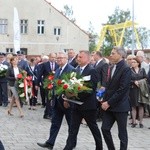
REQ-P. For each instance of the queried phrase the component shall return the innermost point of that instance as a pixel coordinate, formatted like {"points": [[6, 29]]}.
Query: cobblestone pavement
{"points": [[23, 133]]}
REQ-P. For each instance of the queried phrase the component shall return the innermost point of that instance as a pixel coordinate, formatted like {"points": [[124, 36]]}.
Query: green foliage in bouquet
{"points": [[71, 84], [48, 84]]}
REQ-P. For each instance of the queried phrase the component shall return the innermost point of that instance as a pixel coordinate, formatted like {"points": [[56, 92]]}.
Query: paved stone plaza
{"points": [[23, 133]]}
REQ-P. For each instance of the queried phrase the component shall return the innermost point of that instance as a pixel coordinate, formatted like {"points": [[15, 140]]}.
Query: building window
{"points": [[3, 26], [9, 50], [57, 31], [23, 26], [40, 27]]}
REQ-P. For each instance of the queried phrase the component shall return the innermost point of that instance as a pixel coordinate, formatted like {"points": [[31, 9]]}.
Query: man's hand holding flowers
{"points": [[71, 85]]}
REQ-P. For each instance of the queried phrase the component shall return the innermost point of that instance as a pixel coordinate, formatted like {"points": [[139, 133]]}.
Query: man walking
{"points": [[60, 107], [1, 146], [116, 99], [88, 109]]}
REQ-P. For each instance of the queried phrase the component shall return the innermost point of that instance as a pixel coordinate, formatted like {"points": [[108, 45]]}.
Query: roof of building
{"points": [[66, 17]]}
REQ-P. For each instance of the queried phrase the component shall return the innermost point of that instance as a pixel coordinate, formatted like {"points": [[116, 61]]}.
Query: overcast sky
{"points": [[97, 11]]}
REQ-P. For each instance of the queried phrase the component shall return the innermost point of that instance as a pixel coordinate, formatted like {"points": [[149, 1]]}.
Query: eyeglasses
{"points": [[134, 62]]}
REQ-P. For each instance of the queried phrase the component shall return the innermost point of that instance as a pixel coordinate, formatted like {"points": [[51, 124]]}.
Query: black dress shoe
{"points": [[68, 148], [141, 125], [45, 145], [46, 117], [133, 125]]}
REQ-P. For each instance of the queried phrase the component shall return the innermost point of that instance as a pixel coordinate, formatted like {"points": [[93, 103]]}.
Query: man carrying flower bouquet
{"points": [[88, 109], [60, 107]]}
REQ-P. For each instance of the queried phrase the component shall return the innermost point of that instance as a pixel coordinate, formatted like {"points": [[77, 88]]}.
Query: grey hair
{"points": [[45, 57], [121, 51], [63, 53]]}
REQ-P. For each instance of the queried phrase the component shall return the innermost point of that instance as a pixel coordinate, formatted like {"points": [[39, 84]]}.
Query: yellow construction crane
{"points": [[117, 35]]}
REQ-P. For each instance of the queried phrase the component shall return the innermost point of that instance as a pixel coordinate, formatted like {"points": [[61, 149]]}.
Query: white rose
{"points": [[21, 85], [22, 95]]}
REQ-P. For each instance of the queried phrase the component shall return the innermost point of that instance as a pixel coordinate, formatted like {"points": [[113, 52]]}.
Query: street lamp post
{"points": [[132, 27]]}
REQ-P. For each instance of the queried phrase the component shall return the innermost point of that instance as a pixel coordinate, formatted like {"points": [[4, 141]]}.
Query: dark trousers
{"points": [[33, 99], [57, 117], [43, 95], [1, 146], [107, 122], [90, 118], [99, 112], [48, 109], [4, 92]]}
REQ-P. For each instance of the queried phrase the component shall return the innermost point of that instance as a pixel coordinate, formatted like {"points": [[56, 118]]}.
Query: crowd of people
{"points": [[125, 80]]}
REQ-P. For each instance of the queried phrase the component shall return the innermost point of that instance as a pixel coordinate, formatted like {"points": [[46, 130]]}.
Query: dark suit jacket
{"points": [[11, 76], [117, 89], [44, 70], [4, 79], [74, 63], [23, 64], [102, 68], [89, 99], [59, 100]]}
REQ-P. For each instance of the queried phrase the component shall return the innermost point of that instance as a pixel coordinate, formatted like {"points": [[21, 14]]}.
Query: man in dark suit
{"points": [[3, 83], [102, 68], [72, 58], [88, 109], [45, 59], [43, 72], [60, 107], [23, 64], [116, 99], [1, 146]]}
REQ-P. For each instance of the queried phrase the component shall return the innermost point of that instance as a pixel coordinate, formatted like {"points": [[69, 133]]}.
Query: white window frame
{"points": [[40, 26], [9, 50], [57, 31], [23, 26], [3, 26]]}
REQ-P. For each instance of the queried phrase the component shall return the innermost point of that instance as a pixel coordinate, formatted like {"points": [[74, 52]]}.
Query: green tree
{"points": [[144, 35], [120, 16], [92, 38]]}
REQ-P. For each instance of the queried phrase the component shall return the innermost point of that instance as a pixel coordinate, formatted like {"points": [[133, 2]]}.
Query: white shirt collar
{"points": [[99, 61], [63, 67], [83, 67]]}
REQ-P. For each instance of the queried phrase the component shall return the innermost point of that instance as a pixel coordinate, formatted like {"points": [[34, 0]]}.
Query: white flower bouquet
{"points": [[3, 70]]}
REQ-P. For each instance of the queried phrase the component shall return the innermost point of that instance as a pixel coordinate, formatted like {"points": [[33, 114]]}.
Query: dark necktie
{"points": [[52, 66], [81, 70], [95, 64], [59, 72]]}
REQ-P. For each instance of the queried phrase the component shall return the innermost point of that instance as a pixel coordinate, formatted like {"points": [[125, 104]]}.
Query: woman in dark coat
{"points": [[138, 73]]}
